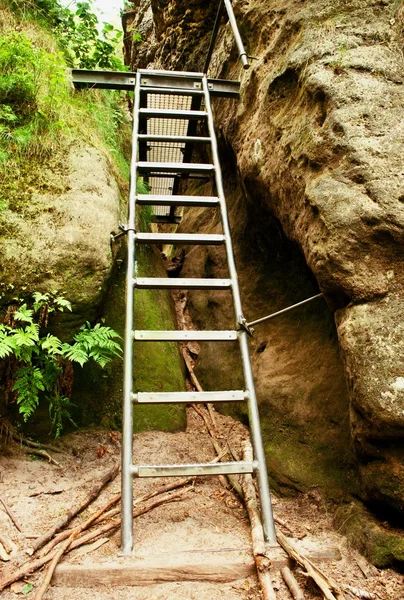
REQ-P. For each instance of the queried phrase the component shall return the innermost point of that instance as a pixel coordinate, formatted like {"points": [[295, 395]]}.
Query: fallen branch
{"points": [[33, 565], [103, 514], [292, 584], [69, 516], [44, 454], [359, 593], [25, 442], [232, 478], [4, 555], [327, 585], [9, 546], [257, 533], [11, 515]]}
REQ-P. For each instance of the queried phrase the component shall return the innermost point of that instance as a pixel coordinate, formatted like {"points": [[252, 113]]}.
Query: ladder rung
{"points": [[164, 219], [172, 91], [180, 238], [165, 113], [166, 167], [183, 139], [184, 336], [175, 283], [188, 397], [155, 199], [223, 468]]}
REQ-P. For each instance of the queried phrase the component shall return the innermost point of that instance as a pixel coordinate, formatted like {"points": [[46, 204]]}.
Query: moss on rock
{"points": [[157, 367], [382, 546]]}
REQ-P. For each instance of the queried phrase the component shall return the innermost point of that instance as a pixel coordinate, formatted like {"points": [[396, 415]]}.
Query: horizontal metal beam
{"points": [[193, 469], [119, 80], [184, 336], [188, 397]]}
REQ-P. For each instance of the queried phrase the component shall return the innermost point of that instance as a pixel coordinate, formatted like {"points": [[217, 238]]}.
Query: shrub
{"points": [[40, 364]]}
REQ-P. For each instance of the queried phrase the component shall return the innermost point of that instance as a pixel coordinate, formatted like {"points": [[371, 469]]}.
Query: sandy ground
{"points": [[208, 525]]}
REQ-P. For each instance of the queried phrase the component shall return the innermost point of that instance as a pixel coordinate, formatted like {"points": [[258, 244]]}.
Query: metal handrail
{"points": [[232, 19]]}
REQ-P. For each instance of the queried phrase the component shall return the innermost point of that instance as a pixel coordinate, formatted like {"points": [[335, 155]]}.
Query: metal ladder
{"points": [[196, 87]]}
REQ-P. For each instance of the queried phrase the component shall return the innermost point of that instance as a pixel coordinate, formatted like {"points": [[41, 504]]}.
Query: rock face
{"points": [[314, 153], [61, 239]]}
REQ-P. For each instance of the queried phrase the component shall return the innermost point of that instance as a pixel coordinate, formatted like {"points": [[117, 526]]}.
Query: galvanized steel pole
{"points": [[127, 418], [259, 455], [240, 46]]}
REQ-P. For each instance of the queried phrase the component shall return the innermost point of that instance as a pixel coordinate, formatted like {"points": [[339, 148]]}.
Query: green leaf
{"points": [[52, 344], [62, 303], [27, 588], [24, 314]]}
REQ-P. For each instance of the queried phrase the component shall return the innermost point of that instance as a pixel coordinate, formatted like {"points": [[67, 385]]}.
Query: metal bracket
{"points": [[124, 230], [244, 326]]}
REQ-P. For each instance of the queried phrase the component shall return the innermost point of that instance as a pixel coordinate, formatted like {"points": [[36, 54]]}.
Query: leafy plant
{"points": [[84, 46], [41, 365]]}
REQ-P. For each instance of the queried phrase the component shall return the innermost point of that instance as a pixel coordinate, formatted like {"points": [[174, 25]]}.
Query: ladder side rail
{"points": [[127, 413], [259, 455]]}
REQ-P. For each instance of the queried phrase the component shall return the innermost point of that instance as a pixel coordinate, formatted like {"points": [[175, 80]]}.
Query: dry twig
{"points": [[257, 533], [25, 442], [35, 564], [11, 514], [329, 588], [359, 593], [44, 454], [103, 514], [292, 584], [65, 520]]}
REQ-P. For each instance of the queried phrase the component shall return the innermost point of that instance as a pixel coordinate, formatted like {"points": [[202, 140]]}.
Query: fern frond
{"points": [[62, 303], [29, 382], [7, 343], [75, 353], [52, 344], [24, 314], [28, 336]]}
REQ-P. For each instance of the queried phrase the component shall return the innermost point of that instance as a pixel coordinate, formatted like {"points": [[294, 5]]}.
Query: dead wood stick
{"points": [[292, 584], [232, 478], [11, 514], [257, 533], [25, 442], [327, 585], [103, 514], [4, 555], [196, 384], [282, 523], [65, 520], [8, 544], [359, 593], [44, 454], [33, 565]]}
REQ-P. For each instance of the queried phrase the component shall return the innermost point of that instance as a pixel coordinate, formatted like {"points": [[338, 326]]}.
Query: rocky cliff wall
{"points": [[315, 183]]}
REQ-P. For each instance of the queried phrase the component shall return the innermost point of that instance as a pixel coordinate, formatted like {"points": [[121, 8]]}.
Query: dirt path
{"points": [[208, 526]]}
